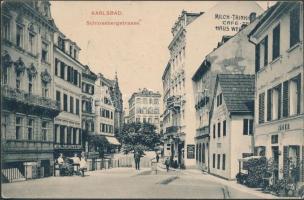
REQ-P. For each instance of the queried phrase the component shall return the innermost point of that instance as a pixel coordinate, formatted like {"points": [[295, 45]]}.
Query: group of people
{"points": [[79, 164]]}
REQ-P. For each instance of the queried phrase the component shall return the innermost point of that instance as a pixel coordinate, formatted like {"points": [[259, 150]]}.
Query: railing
{"points": [[30, 99], [202, 102], [202, 131], [67, 146], [27, 145], [172, 129]]}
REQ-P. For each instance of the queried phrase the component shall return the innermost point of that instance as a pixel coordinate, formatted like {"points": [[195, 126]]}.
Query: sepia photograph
{"points": [[152, 99]]}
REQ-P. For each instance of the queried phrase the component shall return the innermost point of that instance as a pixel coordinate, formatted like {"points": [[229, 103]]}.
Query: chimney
{"points": [[252, 17]]}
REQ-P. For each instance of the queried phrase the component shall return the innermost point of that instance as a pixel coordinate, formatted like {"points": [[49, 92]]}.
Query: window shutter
{"points": [[269, 105], [285, 99], [261, 107], [266, 51], [257, 57], [245, 126], [298, 163], [302, 172], [250, 126], [285, 162], [279, 88], [299, 94], [276, 42]]}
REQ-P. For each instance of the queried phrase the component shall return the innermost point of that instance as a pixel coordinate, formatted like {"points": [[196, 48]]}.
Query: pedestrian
{"points": [[76, 164], [60, 162], [137, 160], [83, 165], [167, 163], [157, 157]]}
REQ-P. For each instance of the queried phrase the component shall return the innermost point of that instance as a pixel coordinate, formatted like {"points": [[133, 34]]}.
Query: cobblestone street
{"points": [[123, 183]]}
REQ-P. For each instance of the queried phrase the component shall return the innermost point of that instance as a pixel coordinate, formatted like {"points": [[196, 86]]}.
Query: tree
{"points": [[138, 137]]}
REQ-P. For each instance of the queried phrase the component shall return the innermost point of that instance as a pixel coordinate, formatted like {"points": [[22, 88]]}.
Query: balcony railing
{"points": [[202, 102], [174, 103], [30, 99], [67, 146], [172, 129], [26, 145]]}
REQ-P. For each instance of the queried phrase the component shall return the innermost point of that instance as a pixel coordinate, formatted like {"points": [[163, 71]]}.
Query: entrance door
{"points": [[45, 168], [275, 155]]}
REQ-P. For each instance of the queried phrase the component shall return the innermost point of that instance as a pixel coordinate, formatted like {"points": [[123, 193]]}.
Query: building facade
{"points": [[105, 113], [68, 73], [231, 124], [279, 127], [188, 48], [144, 106], [88, 105], [233, 55], [27, 85]]}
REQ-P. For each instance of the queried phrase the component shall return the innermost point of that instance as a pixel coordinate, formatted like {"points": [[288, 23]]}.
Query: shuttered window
{"points": [[213, 160], [261, 107], [269, 105], [213, 130], [265, 42], [276, 42], [257, 57], [224, 128], [285, 99], [295, 26]]}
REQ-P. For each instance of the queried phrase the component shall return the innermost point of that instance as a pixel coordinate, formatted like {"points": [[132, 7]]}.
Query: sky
{"points": [[138, 53]]}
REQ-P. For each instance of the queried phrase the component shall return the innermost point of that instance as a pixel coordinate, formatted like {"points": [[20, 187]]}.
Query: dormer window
{"points": [[61, 43], [70, 50], [75, 53]]}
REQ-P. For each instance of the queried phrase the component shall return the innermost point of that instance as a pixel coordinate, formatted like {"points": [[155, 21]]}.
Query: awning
{"points": [[112, 140]]}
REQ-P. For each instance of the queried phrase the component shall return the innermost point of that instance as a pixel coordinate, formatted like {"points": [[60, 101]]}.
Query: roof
{"points": [[238, 92]]}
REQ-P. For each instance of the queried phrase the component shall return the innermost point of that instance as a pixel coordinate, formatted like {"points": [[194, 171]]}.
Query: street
{"points": [[123, 183]]}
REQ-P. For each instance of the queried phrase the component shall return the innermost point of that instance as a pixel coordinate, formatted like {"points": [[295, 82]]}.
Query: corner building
{"points": [[279, 107]]}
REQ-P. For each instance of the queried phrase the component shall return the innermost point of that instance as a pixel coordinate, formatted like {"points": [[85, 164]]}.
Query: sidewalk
{"points": [[230, 184]]}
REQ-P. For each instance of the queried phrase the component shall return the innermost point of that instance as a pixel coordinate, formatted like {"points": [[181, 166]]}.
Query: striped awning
{"points": [[112, 140]]}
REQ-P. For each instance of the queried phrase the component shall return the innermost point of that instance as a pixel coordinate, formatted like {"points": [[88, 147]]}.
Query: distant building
{"points": [[104, 115], [27, 88], [144, 106], [231, 124], [68, 79], [279, 107]]}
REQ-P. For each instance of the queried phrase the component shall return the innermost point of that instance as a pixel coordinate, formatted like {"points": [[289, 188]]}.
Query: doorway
{"points": [[275, 156]]}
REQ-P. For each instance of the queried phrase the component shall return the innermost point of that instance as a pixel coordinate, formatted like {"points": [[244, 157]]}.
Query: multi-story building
{"points": [[194, 36], [27, 87], [231, 124], [144, 107], [104, 113], [88, 104], [279, 107], [68, 72], [233, 55]]}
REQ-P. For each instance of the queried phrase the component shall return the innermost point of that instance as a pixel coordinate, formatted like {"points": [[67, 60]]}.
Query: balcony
{"points": [[26, 146], [172, 129], [202, 102], [202, 132], [22, 101], [174, 103]]}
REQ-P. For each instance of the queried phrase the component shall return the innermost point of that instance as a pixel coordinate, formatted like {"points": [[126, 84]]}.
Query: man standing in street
{"points": [[167, 163], [137, 159], [157, 157]]}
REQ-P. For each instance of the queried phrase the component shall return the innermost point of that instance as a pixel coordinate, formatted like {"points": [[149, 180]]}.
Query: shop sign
{"points": [[190, 151], [283, 127], [230, 22]]}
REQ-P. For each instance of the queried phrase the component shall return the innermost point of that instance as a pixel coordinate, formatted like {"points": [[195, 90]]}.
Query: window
{"points": [[44, 52], [218, 161], [224, 162], [145, 101], [75, 53], [65, 102], [156, 110], [269, 105], [274, 139], [58, 96], [276, 102], [45, 90], [18, 128], [247, 126], [261, 107], [18, 81], [276, 42], [4, 122], [263, 59], [295, 95], [30, 124], [213, 130], [30, 85], [213, 160], [137, 119], [31, 42], [61, 43], [74, 135], [144, 120], [62, 69], [77, 106], [156, 120], [69, 135], [19, 36], [156, 101], [224, 128], [6, 28], [62, 134], [257, 57], [44, 130], [219, 129], [295, 26], [219, 99], [71, 50], [71, 105], [285, 99], [150, 120]]}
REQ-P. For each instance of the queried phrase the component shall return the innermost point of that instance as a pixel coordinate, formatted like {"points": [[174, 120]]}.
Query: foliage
{"points": [[138, 137], [241, 178], [256, 171], [279, 186]]}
